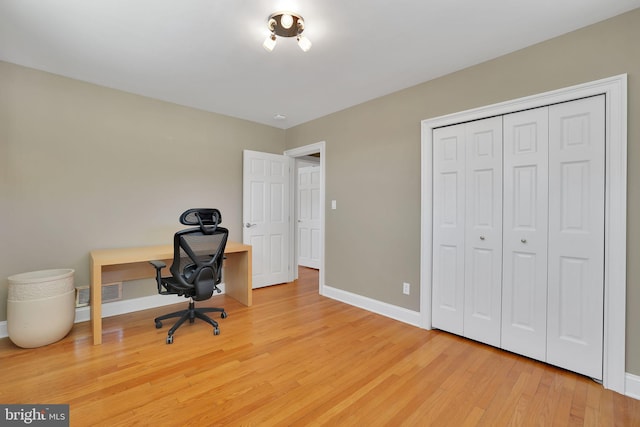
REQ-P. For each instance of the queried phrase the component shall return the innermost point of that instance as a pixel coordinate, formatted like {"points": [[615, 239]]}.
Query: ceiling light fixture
{"points": [[286, 24]]}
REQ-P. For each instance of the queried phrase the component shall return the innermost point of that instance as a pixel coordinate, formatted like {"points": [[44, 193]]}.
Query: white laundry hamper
{"points": [[40, 307]]}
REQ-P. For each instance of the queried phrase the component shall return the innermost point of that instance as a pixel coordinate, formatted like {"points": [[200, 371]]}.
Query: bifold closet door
{"points": [[467, 243], [576, 235], [518, 232], [448, 228], [524, 286], [483, 230]]}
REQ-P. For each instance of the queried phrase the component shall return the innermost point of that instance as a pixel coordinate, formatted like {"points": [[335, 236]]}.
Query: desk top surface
{"points": [[148, 253]]}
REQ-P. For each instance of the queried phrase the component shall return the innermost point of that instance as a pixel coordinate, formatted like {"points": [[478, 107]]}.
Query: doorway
{"points": [[314, 151], [307, 219]]}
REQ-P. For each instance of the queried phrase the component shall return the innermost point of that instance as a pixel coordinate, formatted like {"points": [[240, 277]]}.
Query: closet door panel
{"points": [[483, 230], [448, 228], [576, 235], [525, 217]]}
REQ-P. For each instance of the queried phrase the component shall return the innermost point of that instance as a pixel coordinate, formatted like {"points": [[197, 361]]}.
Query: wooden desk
{"points": [[117, 265]]}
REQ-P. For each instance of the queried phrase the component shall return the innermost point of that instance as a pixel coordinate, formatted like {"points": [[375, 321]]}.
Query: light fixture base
{"points": [[286, 24], [276, 24]]}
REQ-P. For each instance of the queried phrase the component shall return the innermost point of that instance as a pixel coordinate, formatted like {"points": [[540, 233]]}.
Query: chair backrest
{"points": [[197, 257]]}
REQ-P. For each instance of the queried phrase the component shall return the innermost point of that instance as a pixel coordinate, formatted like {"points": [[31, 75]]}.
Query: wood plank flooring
{"points": [[298, 359]]}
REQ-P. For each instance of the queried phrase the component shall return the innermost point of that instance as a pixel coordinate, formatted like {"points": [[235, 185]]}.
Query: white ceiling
{"points": [[208, 54]]}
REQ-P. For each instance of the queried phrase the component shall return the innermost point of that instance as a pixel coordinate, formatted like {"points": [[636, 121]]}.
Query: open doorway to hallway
{"points": [[309, 208], [307, 211]]}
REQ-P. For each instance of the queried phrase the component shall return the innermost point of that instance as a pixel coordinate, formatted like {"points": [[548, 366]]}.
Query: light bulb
{"points": [[269, 42], [304, 43], [286, 21]]}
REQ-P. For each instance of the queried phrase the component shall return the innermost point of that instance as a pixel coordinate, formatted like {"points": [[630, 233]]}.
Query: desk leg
{"points": [[238, 276], [95, 299]]}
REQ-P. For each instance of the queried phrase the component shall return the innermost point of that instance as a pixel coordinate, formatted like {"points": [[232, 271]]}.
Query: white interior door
{"points": [[265, 215], [525, 218], [448, 228], [483, 230], [571, 187], [518, 232], [576, 235], [308, 216]]}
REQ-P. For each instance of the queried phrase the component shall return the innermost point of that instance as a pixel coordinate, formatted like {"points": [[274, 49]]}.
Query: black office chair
{"points": [[196, 270]]}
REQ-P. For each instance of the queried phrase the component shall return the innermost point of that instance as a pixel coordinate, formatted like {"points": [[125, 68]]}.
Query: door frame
{"points": [[615, 265], [318, 147]]}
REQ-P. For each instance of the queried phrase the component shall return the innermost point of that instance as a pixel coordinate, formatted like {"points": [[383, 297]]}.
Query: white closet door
{"points": [[483, 230], [524, 298], [576, 235], [448, 228]]}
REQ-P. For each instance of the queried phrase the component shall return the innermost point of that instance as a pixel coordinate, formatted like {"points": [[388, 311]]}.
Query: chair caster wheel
{"points": [[158, 324], [169, 339], [216, 331], [224, 315]]}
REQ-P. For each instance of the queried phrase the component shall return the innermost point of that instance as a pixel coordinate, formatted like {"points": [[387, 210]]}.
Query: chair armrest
{"points": [[159, 265]]}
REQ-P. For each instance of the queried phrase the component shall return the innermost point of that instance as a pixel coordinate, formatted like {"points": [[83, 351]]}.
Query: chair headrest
{"points": [[201, 217]]}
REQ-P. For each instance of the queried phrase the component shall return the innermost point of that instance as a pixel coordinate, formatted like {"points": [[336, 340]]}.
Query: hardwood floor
{"points": [[296, 358]]}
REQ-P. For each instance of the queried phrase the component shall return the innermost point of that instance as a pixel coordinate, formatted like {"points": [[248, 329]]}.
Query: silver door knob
{"points": [[481, 237], [249, 225], [523, 240]]}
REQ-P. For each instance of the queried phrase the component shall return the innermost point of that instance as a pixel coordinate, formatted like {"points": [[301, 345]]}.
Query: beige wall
{"points": [[85, 167], [373, 158]]}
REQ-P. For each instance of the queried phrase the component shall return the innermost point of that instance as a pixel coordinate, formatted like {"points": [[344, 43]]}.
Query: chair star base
{"points": [[191, 313]]}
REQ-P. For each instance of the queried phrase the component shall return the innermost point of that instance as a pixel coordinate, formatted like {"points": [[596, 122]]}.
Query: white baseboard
{"points": [[632, 386], [393, 311], [116, 308]]}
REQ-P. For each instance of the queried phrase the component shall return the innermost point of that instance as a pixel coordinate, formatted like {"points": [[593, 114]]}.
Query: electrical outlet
{"points": [[406, 288]]}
